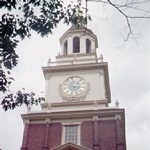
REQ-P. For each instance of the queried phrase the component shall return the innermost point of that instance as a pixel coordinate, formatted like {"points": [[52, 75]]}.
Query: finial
{"points": [[101, 58], [95, 104], [49, 61], [29, 109], [117, 104]]}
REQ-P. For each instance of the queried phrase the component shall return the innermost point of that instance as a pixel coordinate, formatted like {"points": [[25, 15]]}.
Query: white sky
{"points": [[128, 70]]}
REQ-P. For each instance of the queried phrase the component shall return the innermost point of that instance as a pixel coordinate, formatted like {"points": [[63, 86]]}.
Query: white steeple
{"points": [[77, 76], [78, 40]]}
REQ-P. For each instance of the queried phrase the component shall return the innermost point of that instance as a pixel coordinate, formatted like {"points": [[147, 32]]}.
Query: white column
{"points": [[82, 44], [92, 46], [70, 47], [102, 83], [47, 82]]}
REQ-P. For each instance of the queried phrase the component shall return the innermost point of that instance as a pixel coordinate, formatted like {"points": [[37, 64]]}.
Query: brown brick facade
{"points": [[95, 135]]}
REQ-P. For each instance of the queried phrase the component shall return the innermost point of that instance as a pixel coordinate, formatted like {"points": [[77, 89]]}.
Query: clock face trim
{"points": [[74, 88]]}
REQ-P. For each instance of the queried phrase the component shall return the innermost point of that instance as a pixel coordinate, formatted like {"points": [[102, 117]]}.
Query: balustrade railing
{"points": [[74, 61]]}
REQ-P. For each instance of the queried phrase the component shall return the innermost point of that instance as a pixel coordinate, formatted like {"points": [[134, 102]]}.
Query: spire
{"points": [[49, 61], [101, 58]]}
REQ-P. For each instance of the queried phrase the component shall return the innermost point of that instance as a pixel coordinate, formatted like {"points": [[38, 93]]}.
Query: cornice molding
{"points": [[102, 114], [74, 67], [73, 103]]}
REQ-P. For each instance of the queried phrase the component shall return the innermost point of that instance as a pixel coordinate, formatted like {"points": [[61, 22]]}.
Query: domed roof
{"points": [[81, 29], [74, 28]]}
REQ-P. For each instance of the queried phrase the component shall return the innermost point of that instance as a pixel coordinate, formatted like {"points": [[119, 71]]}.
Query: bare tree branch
{"points": [[130, 5]]}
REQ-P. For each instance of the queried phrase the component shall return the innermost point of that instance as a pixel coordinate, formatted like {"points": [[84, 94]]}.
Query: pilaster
{"points": [[25, 137], [46, 139], [119, 134], [96, 145]]}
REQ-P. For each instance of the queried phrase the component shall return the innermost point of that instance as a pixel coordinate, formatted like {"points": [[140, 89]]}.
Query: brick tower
{"points": [[76, 113]]}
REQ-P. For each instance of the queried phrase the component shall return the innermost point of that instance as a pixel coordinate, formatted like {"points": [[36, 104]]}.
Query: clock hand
{"points": [[75, 83]]}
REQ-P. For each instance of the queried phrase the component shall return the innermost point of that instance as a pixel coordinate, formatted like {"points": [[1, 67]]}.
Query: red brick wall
{"points": [[35, 136], [107, 130], [55, 134], [106, 134], [105, 139], [87, 134]]}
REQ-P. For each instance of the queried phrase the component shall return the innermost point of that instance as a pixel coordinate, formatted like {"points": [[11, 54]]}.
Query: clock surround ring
{"points": [[74, 88]]}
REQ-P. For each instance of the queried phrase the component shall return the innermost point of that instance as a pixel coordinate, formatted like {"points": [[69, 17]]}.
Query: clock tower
{"points": [[76, 113]]}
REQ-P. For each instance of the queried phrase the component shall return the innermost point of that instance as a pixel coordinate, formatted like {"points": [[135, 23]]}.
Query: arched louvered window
{"points": [[76, 44], [65, 47], [88, 46]]}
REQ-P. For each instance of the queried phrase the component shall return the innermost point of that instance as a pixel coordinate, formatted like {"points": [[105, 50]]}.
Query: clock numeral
{"points": [[75, 78], [65, 86]]}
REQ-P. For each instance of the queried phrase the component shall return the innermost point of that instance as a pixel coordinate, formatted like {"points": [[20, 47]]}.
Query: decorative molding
{"points": [[95, 118], [101, 73], [82, 35], [73, 103], [78, 54], [47, 120], [107, 118], [26, 121], [80, 97], [103, 114], [70, 146], [74, 67], [37, 121], [70, 122], [117, 116]]}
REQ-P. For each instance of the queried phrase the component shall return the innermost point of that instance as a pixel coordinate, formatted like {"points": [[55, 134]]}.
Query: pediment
{"points": [[70, 146]]}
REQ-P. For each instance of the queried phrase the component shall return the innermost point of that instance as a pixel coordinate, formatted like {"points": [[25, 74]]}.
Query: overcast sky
{"points": [[129, 71]]}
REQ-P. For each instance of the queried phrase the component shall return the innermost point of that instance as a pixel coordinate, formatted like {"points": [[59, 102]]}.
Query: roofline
{"points": [[106, 112]]}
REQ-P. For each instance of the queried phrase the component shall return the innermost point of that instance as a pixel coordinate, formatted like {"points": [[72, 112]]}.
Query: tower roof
{"points": [[80, 29]]}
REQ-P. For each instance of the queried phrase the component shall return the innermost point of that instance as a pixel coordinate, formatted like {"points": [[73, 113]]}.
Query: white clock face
{"points": [[74, 86]]}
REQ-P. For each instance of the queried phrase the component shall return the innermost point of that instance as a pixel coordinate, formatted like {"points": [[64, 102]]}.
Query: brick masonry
{"points": [[95, 135]]}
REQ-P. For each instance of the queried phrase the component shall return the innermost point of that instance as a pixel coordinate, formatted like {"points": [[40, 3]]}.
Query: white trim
{"points": [[117, 116], [78, 124]]}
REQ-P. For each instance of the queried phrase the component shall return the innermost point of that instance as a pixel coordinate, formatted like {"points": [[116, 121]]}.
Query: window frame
{"points": [[64, 125]]}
